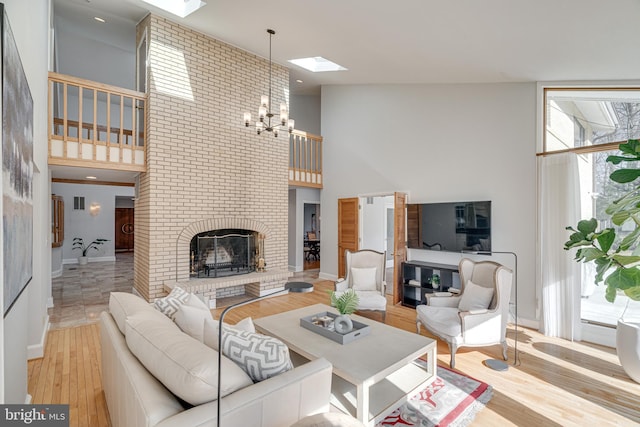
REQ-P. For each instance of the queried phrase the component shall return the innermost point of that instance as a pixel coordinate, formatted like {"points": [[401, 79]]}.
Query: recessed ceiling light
{"points": [[91, 177], [181, 8], [97, 18], [317, 64], [299, 81]]}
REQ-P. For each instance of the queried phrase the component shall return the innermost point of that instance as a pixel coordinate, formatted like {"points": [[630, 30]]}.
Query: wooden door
{"points": [[124, 229], [348, 213], [399, 244]]}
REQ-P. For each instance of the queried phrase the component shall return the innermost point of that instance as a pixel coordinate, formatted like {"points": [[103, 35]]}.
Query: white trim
{"points": [[50, 302], [36, 351], [28, 399], [95, 259], [328, 276], [296, 268], [57, 273], [597, 334]]}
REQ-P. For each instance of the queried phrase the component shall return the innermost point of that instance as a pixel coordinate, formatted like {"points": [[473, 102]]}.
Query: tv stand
{"points": [[416, 280]]}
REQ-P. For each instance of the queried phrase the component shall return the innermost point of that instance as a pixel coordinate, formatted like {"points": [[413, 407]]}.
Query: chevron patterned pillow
{"points": [[260, 356], [170, 304]]}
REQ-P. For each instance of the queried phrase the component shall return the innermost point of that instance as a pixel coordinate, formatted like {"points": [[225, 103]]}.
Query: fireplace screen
{"points": [[221, 253]]}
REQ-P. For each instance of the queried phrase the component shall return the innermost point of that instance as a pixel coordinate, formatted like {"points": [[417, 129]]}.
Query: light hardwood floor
{"points": [[556, 383]]}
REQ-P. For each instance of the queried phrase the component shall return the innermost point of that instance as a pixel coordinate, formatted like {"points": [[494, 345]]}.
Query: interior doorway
{"points": [[377, 228], [124, 224], [311, 236]]}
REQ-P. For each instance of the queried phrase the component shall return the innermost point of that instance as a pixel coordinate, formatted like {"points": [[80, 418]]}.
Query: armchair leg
{"points": [[418, 326], [452, 361], [384, 317], [504, 350]]}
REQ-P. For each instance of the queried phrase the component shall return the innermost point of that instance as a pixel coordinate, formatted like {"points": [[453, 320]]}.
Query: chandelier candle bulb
{"points": [[291, 125], [262, 112], [247, 119], [264, 101]]}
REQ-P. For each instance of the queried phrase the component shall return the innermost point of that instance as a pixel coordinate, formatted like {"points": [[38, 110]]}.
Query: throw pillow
{"points": [[475, 297], [170, 304], [191, 321], [260, 356], [211, 330], [363, 279]]}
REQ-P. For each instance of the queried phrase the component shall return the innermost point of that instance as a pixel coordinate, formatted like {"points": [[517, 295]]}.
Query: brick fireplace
{"points": [[206, 171]]}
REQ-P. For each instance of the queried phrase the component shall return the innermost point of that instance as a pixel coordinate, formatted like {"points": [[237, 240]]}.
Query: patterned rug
{"points": [[453, 400]]}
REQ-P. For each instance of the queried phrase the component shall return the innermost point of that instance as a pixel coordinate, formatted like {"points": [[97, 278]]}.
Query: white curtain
{"points": [[560, 274]]}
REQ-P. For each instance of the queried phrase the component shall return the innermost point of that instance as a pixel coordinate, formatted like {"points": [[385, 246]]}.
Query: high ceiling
{"points": [[415, 41], [421, 41]]}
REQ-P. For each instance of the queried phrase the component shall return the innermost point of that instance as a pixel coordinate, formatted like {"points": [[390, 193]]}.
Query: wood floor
{"points": [[556, 383]]}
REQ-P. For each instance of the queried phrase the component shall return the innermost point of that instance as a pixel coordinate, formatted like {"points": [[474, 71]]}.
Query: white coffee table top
{"points": [[369, 358]]}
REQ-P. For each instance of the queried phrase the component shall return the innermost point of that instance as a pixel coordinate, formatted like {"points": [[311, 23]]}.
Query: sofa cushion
{"points": [[211, 330], [123, 304], [188, 368], [260, 356], [170, 304]]}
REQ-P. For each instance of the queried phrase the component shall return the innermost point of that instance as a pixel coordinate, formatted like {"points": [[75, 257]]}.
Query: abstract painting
{"points": [[17, 170]]}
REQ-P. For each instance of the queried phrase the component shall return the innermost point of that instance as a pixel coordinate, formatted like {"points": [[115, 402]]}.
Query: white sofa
{"points": [[136, 398]]}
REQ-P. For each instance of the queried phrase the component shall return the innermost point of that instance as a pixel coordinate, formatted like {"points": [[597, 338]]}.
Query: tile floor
{"points": [[81, 293]]}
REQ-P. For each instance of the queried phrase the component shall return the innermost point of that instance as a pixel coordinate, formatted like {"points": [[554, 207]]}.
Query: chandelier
{"points": [[265, 115]]}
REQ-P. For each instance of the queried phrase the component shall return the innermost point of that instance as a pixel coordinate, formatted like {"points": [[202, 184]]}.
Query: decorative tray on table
{"points": [[322, 323]]}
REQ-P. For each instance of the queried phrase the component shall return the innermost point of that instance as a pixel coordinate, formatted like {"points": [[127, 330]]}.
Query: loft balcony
{"points": [[94, 125]]}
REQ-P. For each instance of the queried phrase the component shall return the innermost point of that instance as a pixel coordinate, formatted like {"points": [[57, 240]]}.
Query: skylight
{"points": [[317, 64], [181, 8]]}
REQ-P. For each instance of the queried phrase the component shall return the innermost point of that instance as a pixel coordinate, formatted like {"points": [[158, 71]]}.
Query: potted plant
{"points": [[617, 257], [346, 304], [435, 281], [78, 243]]}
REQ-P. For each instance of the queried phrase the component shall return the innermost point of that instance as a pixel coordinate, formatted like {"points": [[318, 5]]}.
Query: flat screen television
{"points": [[451, 226]]}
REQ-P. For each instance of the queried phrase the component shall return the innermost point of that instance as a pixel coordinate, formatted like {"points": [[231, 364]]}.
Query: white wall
{"points": [[439, 143], [305, 110], [82, 224], [23, 330], [103, 52], [297, 199], [372, 229]]}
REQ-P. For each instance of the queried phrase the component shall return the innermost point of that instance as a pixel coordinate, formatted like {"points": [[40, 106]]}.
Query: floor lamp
{"points": [[495, 364], [297, 287]]}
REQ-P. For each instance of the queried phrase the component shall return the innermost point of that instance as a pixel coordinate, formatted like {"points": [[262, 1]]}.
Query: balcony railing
{"points": [[305, 159], [95, 125]]}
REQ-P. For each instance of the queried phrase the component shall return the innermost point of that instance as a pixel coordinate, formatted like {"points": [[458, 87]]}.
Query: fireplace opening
{"points": [[225, 252]]}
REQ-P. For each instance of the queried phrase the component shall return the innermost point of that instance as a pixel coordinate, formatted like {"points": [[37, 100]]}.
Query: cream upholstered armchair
{"points": [[478, 316], [365, 273]]}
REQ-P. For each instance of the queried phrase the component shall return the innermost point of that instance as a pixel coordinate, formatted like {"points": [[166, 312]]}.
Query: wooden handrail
{"points": [[128, 144], [305, 159]]}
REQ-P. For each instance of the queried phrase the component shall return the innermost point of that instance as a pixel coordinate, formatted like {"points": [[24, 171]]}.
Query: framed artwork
{"points": [[17, 170]]}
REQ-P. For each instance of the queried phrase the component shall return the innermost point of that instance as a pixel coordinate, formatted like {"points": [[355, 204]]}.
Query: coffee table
{"points": [[374, 374]]}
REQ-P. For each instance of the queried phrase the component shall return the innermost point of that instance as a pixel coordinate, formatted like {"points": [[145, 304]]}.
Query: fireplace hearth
{"points": [[222, 253]]}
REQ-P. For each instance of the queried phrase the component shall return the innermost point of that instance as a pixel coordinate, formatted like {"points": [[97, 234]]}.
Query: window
{"points": [[592, 122]]}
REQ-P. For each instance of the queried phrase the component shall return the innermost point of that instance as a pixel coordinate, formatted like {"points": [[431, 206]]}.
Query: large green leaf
{"points": [[633, 293], [589, 254], [610, 293], [602, 266], [606, 238], [624, 278], [622, 176], [630, 240], [626, 260], [587, 226], [631, 147]]}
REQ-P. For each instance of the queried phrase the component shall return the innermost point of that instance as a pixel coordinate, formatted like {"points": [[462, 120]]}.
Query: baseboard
{"points": [[93, 259], [28, 399], [36, 351], [296, 268], [327, 276], [528, 323], [56, 273], [50, 302]]}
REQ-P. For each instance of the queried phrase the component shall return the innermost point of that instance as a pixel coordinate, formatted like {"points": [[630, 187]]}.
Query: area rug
{"points": [[453, 400]]}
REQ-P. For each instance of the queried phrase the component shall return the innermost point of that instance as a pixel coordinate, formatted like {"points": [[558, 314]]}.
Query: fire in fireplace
{"points": [[226, 252]]}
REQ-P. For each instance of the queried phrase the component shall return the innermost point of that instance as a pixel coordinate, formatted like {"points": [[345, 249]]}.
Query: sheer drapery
{"points": [[560, 274]]}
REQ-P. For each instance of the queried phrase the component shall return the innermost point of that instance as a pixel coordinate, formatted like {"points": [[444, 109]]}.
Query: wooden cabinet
{"points": [[57, 221], [124, 229], [417, 277]]}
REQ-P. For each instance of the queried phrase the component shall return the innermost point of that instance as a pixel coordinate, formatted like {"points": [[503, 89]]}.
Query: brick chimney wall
{"points": [[202, 163]]}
